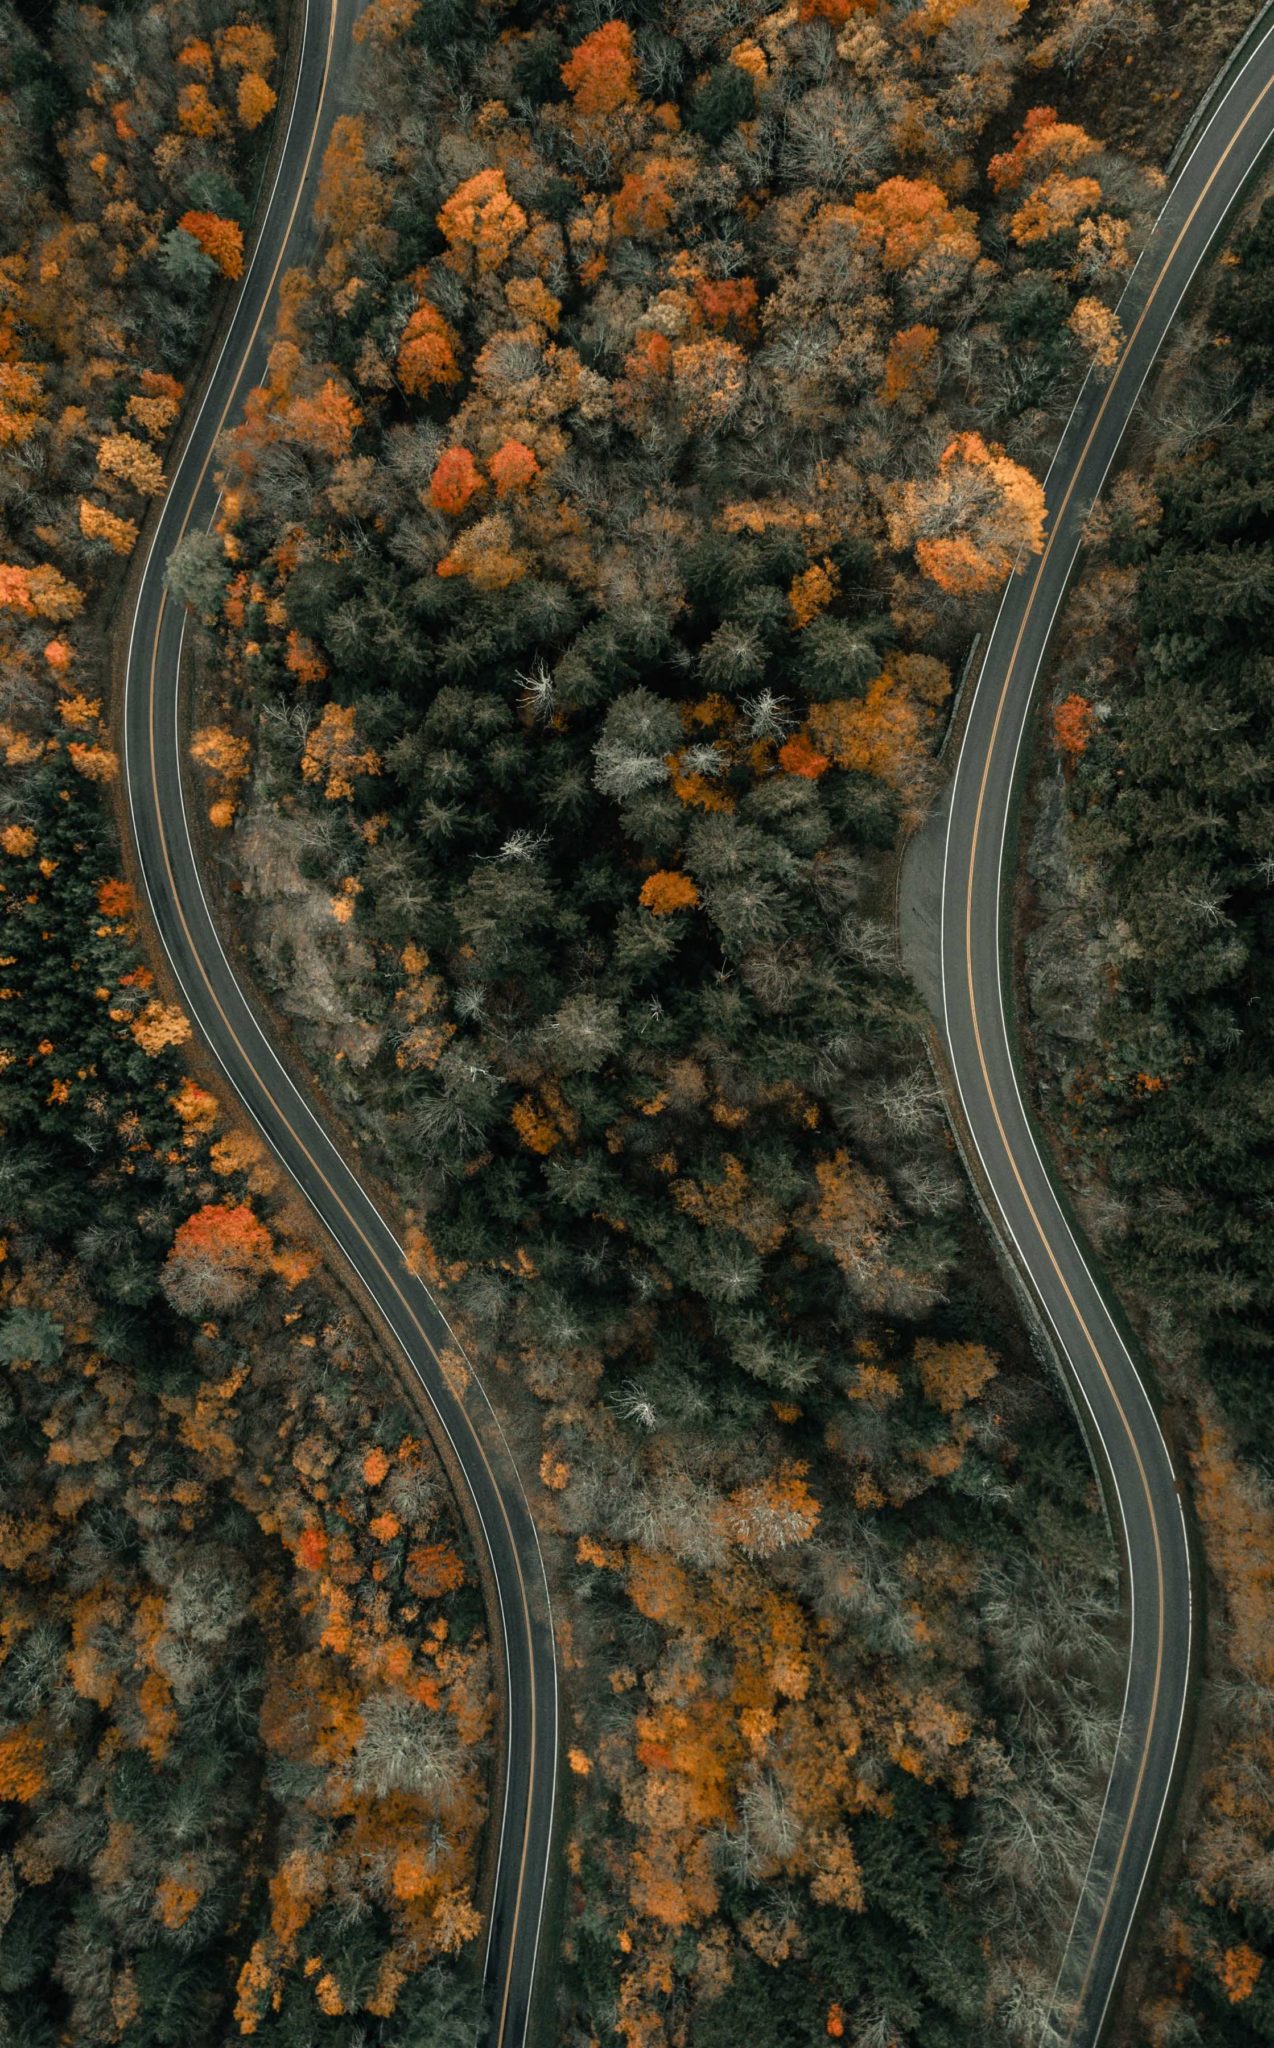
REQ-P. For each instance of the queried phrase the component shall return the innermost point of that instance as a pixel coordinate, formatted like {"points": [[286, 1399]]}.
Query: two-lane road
{"points": [[1122, 1424], [1123, 1421], [285, 1112]]}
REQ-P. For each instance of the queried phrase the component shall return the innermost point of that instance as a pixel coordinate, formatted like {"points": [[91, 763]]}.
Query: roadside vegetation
{"points": [[1148, 963], [244, 1684], [634, 463]]}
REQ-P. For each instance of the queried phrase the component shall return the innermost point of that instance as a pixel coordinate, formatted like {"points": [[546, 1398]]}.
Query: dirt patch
{"points": [[305, 955], [1140, 99]]}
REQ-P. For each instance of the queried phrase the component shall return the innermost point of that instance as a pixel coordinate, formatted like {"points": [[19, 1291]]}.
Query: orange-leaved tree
{"points": [[130, 461], [838, 12], [600, 73], [481, 222], [954, 1373], [645, 202], [351, 196], [486, 555], [906, 217], [886, 732], [666, 891], [218, 1257], [246, 46], [42, 592], [812, 591], [1073, 725], [513, 467], [324, 420], [255, 100], [428, 354], [1240, 1971], [219, 238], [97, 523], [911, 369], [800, 756], [333, 755], [971, 521], [1042, 144], [21, 388], [1057, 203], [1098, 331], [456, 479]]}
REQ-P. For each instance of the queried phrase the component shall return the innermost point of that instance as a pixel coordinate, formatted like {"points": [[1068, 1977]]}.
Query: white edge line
{"points": [[1204, 135], [324, 1139], [145, 573], [146, 570]]}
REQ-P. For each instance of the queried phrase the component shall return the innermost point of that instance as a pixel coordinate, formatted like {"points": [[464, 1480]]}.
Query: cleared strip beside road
{"points": [[1122, 1422], [283, 1108]]}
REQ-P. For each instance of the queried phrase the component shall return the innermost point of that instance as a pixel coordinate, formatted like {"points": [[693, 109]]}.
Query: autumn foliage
{"points": [[971, 523], [513, 467], [799, 756], [481, 222], [347, 1667], [668, 891], [627, 613], [1073, 725], [245, 1726], [246, 1654], [911, 368], [350, 194], [911, 217], [97, 522], [255, 99], [107, 263], [217, 1255], [1043, 145], [456, 479], [333, 755], [600, 73], [218, 238], [427, 353]]}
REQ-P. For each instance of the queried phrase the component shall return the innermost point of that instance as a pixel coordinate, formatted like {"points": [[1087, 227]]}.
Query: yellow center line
{"points": [[977, 1029], [379, 1263]]}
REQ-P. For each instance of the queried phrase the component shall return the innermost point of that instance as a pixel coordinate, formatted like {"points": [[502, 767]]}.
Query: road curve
{"points": [[1122, 1424], [283, 1109]]}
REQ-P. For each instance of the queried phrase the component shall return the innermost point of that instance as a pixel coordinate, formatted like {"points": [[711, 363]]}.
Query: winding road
{"points": [[284, 1110], [1123, 1429], [1120, 1417]]}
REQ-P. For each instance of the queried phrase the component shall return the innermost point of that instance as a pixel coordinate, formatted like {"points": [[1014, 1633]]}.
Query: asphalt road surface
{"points": [[283, 1108], [1123, 1424], [1121, 1421]]}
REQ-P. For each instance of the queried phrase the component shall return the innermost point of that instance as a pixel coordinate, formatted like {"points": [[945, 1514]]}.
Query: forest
{"points": [[245, 1695], [1148, 966], [639, 453], [635, 460]]}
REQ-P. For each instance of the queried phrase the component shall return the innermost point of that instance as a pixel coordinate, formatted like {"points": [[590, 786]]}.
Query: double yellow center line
{"points": [[473, 1444], [1010, 680]]}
